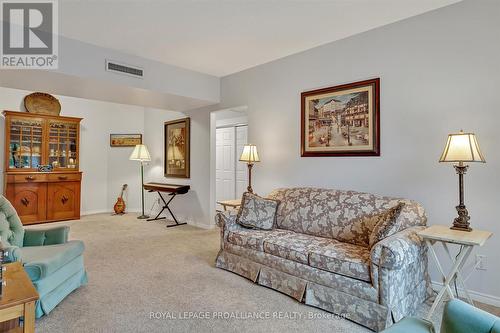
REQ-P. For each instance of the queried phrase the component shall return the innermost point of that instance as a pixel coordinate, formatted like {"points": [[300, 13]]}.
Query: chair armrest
{"points": [[400, 249], [461, 317], [51, 236], [12, 253]]}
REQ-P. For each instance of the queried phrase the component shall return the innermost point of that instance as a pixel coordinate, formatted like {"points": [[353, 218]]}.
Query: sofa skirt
{"points": [[364, 312]]}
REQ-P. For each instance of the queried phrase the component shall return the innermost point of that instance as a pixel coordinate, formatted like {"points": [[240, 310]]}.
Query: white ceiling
{"points": [[221, 37]]}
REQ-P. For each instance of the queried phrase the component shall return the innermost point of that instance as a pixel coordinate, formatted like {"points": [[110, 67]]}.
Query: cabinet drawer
{"points": [[30, 178], [62, 177]]}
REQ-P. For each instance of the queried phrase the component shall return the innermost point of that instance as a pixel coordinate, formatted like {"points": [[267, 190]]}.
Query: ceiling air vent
{"points": [[116, 67]]}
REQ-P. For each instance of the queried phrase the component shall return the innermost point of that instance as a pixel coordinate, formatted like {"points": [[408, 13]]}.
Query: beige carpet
{"points": [[138, 268]]}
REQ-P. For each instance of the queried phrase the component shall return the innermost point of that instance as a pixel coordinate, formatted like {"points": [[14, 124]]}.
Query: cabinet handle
{"points": [[30, 178], [25, 201], [64, 199], [63, 177]]}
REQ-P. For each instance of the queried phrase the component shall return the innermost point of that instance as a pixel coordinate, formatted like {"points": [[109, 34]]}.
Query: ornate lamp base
{"points": [[462, 221], [249, 187]]}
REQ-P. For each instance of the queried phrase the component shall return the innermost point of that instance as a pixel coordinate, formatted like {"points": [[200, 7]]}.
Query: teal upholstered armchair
{"points": [[54, 264], [458, 317]]}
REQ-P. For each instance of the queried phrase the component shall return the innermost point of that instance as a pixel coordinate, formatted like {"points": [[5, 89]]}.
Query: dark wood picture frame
{"points": [[183, 171], [117, 136], [375, 120]]}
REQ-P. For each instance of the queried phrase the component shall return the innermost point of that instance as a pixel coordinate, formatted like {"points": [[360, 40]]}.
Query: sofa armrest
{"points": [[50, 236], [402, 248], [225, 219]]}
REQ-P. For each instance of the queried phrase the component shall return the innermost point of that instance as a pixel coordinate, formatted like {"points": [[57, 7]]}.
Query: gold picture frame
{"points": [[125, 140], [177, 136]]}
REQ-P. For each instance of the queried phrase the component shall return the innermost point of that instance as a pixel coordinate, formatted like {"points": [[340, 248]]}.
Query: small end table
{"points": [[18, 299], [445, 235], [230, 203]]}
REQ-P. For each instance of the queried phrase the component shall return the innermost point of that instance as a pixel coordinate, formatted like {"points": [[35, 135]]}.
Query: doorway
{"points": [[231, 134], [230, 174]]}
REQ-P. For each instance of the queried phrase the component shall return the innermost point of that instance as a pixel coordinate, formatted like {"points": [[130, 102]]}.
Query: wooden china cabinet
{"points": [[33, 140]]}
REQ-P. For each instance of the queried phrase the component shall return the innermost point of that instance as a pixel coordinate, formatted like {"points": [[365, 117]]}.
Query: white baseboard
{"points": [[106, 211], [202, 225], [93, 212], [476, 296]]}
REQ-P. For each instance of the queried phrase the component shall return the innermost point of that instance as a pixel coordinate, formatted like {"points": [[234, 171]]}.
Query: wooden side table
{"points": [[467, 240], [230, 203], [18, 299]]}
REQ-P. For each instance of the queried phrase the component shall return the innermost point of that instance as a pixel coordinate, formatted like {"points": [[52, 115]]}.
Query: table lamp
{"points": [[141, 154], [460, 148], [250, 156]]}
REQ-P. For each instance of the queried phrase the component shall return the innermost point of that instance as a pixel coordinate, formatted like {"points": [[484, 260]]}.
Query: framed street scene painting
{"points": [[342, 120], [177, 138]]}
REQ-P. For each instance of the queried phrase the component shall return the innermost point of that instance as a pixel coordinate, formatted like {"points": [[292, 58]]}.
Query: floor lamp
{"points": [[250, 156], [141, 154]]}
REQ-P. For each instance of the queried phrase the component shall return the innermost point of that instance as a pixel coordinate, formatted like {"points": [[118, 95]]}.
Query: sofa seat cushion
{"points": [[41, 261], [294, 246], [342, 258], [253, 238]]}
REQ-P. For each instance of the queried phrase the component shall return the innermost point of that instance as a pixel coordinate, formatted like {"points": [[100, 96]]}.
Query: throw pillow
{"points": [[386, 224], [257, 212]]}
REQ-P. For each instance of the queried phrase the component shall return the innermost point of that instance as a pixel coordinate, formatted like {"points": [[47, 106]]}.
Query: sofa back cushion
{"points": [[347, 216]]}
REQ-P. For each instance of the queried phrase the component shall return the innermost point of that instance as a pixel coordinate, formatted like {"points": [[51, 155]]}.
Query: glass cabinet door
{"points": [[63, 138], [25, 148]]}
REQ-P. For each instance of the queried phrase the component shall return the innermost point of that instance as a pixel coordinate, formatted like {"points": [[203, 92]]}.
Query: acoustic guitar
{"points": [[119, 206]]}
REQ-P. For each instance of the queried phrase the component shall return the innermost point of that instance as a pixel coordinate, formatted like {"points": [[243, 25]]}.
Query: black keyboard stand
{"points": [[165, 206]]}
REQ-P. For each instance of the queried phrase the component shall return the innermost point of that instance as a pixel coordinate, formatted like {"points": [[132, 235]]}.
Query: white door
{"points": [[225, 163], [241, 167]]}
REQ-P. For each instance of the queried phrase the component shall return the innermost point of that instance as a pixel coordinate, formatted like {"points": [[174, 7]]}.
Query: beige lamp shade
{"points": [[140, 153], [249, 154], [462, 147]]}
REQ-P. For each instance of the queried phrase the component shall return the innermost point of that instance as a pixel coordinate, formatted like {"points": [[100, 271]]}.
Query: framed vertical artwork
{"points": [[342, 120], [177, 150], [125, 140]]}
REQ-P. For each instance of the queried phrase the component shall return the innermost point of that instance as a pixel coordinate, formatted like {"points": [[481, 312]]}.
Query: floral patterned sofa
{"points": [[319, 254]]}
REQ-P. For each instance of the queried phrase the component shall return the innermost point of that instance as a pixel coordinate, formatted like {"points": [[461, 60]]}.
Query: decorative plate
{"points": [[42, 103]]}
